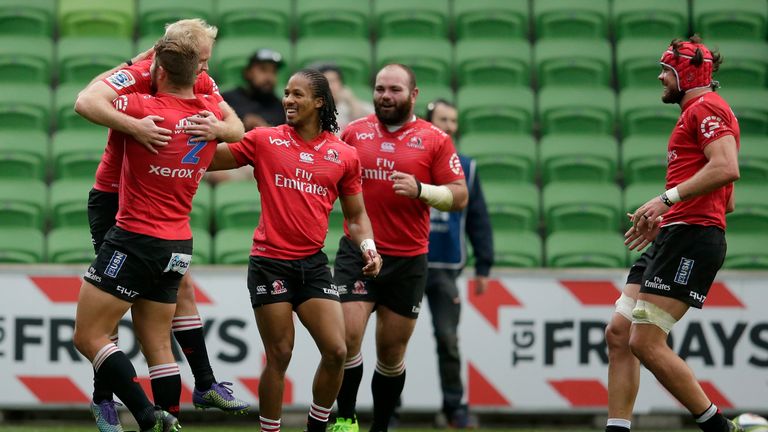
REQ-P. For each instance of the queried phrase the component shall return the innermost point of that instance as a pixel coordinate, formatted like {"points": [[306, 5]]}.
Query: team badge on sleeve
{"points": [[121, 103], [121, 79], [710, 125], [455, 163]]}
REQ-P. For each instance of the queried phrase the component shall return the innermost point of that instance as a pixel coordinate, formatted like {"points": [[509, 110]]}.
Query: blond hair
{"points": [[179, 58], [195, 29]]}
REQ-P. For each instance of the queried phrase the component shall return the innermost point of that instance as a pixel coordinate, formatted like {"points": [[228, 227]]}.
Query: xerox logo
{"points": [[171, 172], [279, 142]]}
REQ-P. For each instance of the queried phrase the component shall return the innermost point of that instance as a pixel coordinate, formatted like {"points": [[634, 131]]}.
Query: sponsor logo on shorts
{"points": [[342, 289], [388, 147], [684, 271], [171, 172], [331, 291], [416, 309], [362, 136], [455, 164], [115, 264], [121, 79], [332, 156], [698, 297], [415, 142], [658, 283], [279, 142], [91, 274], [359, 288], [306, 157], [126, 292], [278, 287], [261, 289], [179, 263]]}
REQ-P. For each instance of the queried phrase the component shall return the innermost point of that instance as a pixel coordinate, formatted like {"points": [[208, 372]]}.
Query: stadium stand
{"points": [[512, 207], [23, 203], [27, 17], [25, 107], [70, 245], [21, 245], [409, 19], [491, 19], [80, 59], [232, 245], [486, 109], [97, 18], [26, 59], [517, 249], [154, 15], [661, 18], [254, 18], [582, 207], [573, 19], [495, 62], [76, 154], [585, 249], [23, 154], [68, 203], [333, 18], [584, 158], [556, 63], [236, 205]]}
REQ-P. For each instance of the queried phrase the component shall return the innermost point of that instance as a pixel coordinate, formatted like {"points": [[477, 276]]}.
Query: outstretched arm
{"points": [[361, 232], [223, 159]]}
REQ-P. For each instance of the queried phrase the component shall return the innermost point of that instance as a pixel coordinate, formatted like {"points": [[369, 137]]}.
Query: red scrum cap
{"points": [[681, 56]]}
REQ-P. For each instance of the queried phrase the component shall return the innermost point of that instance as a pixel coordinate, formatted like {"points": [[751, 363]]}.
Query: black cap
{"points": [[266, 55]]}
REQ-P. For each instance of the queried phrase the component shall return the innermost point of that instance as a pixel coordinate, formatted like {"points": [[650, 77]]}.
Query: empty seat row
{"points": [[427, 18]]}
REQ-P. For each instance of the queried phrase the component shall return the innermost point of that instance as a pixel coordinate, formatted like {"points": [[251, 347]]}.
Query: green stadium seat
{"points": [[491, 19], [76, 153], [202, 207], [751, 212], [503, 157], [517, 249], [64, 106], [21, 245], [750, 108], [578, 206], [495, 110], [660, 18], [97, 18], [512, 206], [81, 59], [233, 245], [69, 202], [579, 158], [26, 59], [431, 60], [585, 249], [753, 160], [744, 19], [406, 18], [254, 18], [499, 62], [332, 239], [577, 111], [428, 93], [333, 18], [637, 62], [202, 246], [25, 107], [351, 55], [154, 15], [27, 17], [574, 19], [557, 63], [638, 194], [745, 65], [236, 205], [23, 203], [70, 245], [644, 159], [230, 56], [643, 113], [747, 251], [23, 154]]}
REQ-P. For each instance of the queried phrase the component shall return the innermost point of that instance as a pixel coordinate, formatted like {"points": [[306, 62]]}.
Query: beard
{"points": [[397, 116], [672, 95]]}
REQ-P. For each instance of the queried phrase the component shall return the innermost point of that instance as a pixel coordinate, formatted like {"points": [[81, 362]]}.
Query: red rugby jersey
{"points": [[401, 225], [136, 79], [156, 191], [298, 182], [704, 119]]}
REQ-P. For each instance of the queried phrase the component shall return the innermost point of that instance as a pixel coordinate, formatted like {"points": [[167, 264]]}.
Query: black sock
{"points": [[386, 392], [116, 370], [317, 419], [101, 391], [616, 429], [188, 332], [347, 399], [166, 387], [711, 420]]}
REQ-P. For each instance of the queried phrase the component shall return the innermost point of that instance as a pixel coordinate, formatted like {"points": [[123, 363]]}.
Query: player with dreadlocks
{"points": [[301, 167], [686, 224]]}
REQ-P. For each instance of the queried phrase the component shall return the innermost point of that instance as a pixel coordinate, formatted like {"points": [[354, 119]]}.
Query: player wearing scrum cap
{"points": [[686, 225]]}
